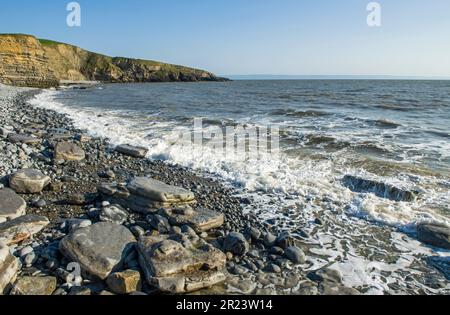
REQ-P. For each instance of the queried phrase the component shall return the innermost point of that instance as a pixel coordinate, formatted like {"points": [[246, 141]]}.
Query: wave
{"points": [[299, 114]]}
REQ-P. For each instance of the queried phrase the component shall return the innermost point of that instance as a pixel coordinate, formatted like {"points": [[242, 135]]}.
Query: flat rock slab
{"points": [[9, 267], [99, 249], [21, 138], [68, 151], [28, 181], [133, 151], [434, 234], [34, 286], [180, 263], [21, 228], [146, 195], [125, 282], [11, 204], [380, 189], [159, 191], [201, 220]]}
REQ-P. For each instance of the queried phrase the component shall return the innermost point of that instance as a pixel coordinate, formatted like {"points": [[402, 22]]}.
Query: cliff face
{"points": [[24, 63], [27, 61]]}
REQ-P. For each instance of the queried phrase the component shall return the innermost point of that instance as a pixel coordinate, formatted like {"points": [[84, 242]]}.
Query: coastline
{"points": [[73, 196]]}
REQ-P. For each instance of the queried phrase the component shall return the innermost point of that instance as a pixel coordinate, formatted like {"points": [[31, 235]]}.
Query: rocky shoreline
{"points": [[79, 217]]}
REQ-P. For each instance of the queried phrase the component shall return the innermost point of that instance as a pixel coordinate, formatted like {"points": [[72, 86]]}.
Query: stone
{"points": [[326, 275], [74, 224], [21, 138], [159, 223], [273, 268], [115, 214], [67, 151], [28, 181], [434, 234], [201, 220], [380, 189], [11, 204], [284, 241], [180, 263], [146, 195], [269, 239], [253, 233], [133, 151], [295, 254], [22, 228], [236, 244], [34, 286], [125, 282], [9, 267], [100, 249], [159, 191]]}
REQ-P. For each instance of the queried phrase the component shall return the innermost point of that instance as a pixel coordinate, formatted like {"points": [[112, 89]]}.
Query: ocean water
{"points": [[394, 132]]}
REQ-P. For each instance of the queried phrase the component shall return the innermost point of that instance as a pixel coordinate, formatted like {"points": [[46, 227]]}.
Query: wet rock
{"points": [[434, 234], [99, 249], [380, 189], [442, 264], [22, 138], [11, 204], [28, 181], [159, 223], [9, 267], [133, 151], [115, 214], [21, 228], [236, 244], [269, 239], [326, 275], [200, 220], [34, 286], [180, 264], [253, 233], [67, 151], [295, 254], [124, 282], [284, 241]]}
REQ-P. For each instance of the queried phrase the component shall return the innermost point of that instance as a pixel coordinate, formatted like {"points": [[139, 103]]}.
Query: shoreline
{"points": [[73, 196], [263, 270]]}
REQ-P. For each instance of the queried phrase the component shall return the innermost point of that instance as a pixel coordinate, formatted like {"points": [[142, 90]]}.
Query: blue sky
{"points": [[292, 37]]}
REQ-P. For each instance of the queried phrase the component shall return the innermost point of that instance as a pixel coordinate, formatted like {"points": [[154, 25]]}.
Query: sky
{"points": [[248, 37]]}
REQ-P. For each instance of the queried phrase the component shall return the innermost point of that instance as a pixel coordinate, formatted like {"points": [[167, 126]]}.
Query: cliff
{"points": [[28, 61]]}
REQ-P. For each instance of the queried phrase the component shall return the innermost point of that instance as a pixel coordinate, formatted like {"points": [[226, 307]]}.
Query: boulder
{"points": [[201, 220], [21, 228], [295, 254], [146, 195], [380, 189], [28, 181], [9, 267], [236, 244], [21, 138], [114, 214], [180, 263], [129, 150], [100, 249], [34, 286], [11, 204], [434, 234], [124, 282], [67, 151]]}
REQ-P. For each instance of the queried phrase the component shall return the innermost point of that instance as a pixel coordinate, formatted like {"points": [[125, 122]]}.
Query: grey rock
{"points": [[74, 224], [159, 191], [201, 220], [175, 266], [28, 181], [326, 275], [11, 204], [437, 235], [236, 244], [269, 239], [99, 249], [21, 138], [295, 254], [159, 223], [22, 228], [137, 152], [115, 214]]}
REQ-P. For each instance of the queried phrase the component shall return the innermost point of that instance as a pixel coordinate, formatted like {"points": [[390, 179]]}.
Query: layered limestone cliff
{"points": [[27, 61]]}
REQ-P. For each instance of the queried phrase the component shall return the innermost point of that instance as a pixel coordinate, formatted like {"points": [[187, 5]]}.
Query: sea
{"points": [[392, 132]]}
